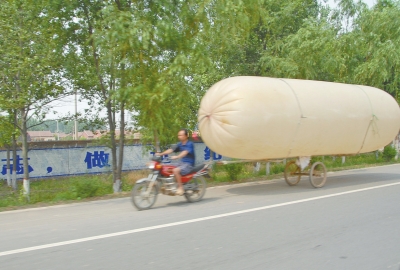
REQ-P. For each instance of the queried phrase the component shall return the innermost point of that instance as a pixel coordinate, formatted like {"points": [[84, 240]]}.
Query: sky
{"points": [[67, 105], [370, 3]]}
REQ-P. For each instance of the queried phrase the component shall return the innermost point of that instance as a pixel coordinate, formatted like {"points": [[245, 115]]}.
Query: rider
{"points": [[184, 167]]}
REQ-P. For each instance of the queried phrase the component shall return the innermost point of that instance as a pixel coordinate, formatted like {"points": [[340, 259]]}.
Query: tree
{"points": [[30, 65], [94, 67], [378, 29], [136, 56], [7, 133], [353, 44], [164, 43]]}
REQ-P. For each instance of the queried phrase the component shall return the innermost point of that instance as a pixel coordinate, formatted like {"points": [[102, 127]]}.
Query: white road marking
{"points": [[103, 236]]}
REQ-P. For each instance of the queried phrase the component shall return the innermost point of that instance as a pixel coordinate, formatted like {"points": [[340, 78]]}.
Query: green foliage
{"points": [[277, 168], [9, 200], [85, 188], [6, 131], [30, 64], [233, 170], [352, 44], [389, 152], [66, 126], [31, 60], [55, 190], [165, 44]]}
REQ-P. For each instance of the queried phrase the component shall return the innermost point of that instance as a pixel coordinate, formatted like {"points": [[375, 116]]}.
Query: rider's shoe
{"points": [[179, 191]]}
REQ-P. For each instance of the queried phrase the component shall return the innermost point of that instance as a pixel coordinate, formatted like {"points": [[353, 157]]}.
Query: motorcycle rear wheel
{"points": [[196, 194], [139, 198]]}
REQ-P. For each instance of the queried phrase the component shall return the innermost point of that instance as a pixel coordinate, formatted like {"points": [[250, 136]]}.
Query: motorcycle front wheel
{"points": [[141, 199], [197, 189]]}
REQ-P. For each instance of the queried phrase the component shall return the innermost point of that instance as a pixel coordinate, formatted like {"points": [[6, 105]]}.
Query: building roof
{"points": [[40, 134], [62, 134], [99, 133], [86, 134]]}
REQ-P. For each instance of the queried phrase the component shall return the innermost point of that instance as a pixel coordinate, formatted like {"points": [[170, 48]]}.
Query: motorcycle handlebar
{"points": [[156, 158]]}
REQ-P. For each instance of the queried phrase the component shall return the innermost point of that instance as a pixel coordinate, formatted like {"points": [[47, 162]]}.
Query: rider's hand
{"points": [[174, 157], [157, 154]]}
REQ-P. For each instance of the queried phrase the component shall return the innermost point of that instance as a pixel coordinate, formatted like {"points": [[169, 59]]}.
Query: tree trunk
{"points": [[104, 92], [156, 141], [117, 183], [24, 134], [14, 157], [111, 123], [8, 174]]}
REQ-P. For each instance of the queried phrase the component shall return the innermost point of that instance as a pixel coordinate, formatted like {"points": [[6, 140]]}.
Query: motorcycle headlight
{"points": [[151, 165]]}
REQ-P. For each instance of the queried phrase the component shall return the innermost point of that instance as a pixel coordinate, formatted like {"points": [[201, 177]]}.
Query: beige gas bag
{"points": [[270, 118]]}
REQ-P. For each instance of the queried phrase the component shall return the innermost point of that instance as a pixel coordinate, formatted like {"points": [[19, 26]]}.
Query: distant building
{"points": [[63, 136], [99, 133], [86, 134], [128, 134], [39, 136]]}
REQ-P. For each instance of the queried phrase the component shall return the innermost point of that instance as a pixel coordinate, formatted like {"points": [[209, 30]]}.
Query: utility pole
{"points": [[58, 132], [76, 115]]}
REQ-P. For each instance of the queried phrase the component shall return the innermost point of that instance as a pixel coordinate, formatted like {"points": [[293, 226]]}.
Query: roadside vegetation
{"points": [[243, 172], [93, 187]]}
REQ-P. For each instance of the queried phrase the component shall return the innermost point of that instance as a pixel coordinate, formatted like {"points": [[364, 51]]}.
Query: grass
{"points": [[66, 189], [93, 187]]}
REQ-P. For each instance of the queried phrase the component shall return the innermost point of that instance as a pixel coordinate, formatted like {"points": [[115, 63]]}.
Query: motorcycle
{"points": [[161, 179]]}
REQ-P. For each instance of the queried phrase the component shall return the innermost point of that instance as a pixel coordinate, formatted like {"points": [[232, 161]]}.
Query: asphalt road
{"points": [[351, 223]]}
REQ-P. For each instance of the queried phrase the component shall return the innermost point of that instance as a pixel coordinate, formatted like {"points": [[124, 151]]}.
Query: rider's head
{"points": [[183, 135]]}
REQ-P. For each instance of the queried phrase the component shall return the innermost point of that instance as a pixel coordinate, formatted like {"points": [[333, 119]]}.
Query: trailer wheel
{"points": [[318, 175], [292, 173]]}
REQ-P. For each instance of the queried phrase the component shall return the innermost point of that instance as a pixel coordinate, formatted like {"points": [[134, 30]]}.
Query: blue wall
{"points": [[53, 162]]}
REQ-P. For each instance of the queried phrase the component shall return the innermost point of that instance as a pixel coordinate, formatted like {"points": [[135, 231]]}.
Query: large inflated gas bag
{"points": [[270, 118]]}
